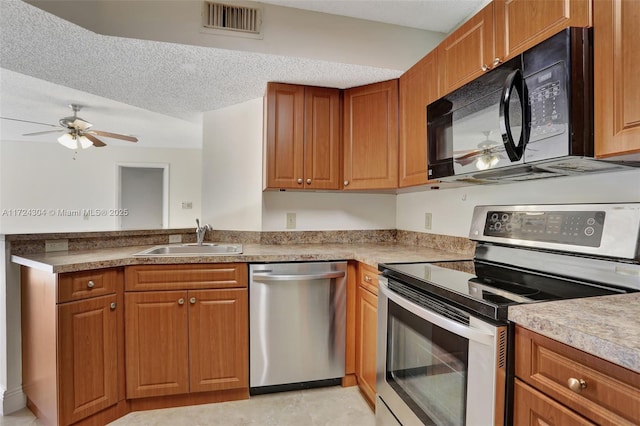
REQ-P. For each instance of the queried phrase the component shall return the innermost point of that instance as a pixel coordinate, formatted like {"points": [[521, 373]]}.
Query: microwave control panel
{"points": [[547, 103], [583, 228]]}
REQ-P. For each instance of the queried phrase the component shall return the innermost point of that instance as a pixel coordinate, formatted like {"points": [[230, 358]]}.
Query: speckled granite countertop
{"points": [[605, 326], [371, 254]]}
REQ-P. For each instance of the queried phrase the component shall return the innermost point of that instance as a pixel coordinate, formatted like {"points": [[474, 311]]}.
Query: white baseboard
{"points": [[12, 400]]}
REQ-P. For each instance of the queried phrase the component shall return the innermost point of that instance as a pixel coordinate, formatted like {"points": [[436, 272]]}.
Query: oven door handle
{"points": [[484, 337]]}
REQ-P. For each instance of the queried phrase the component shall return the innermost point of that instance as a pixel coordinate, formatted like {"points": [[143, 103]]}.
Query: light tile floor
{"points": [[332, 406]]}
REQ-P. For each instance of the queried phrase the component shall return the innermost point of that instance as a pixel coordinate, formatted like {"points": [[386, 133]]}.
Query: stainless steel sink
{"points": [[206, 249]]}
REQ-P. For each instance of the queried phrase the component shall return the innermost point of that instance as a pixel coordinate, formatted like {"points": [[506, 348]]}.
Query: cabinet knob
{"points": [[576, 385], [346, 183], [91, 284], [192, 300], [181, 301], [496, 61], [308, 181], [113, 306], [485, 67], [300, 181], [367, 278]]}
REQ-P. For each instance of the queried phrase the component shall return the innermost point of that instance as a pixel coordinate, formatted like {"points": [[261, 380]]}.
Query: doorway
{"points": [[143, 196]]}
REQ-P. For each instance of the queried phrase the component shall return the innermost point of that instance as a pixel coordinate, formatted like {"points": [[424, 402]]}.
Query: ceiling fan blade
{"points": [[96, 142], [112, 135], [469, 155], [43, 133], [32, 122]]}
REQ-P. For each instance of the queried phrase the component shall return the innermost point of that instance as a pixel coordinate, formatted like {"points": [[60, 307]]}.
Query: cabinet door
{"points": [[87, 357], [284, 136], [616, 83], [521, 24], [218, 339], [322, 146], [371, 136], [366, 332], [156, 343], [533, 408], [418, 88], [467, 52]]}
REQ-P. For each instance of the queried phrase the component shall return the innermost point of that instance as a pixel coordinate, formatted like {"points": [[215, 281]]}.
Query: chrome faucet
{"points": [[200, 231]]}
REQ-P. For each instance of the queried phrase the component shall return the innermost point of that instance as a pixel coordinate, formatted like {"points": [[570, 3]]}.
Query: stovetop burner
{"points": [[488, 289]]}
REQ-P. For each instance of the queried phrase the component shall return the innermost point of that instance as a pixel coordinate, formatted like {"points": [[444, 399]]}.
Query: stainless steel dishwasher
{"points": [[297, 314]]}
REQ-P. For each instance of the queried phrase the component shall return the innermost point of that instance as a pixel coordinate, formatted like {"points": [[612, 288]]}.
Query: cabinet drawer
{"points": [[183, 277], [534, 408], [368, 277], [610, 395], [85, 284]]}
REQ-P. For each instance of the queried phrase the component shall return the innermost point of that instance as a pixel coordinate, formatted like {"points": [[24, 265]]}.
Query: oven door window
{"points": [[427, 366]]}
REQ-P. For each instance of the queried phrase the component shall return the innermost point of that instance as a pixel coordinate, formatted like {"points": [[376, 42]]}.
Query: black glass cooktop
{"points": [[488, 289]]}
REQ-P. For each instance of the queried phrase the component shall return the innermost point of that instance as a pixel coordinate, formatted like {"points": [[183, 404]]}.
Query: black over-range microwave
{"points": [[529, 118]]}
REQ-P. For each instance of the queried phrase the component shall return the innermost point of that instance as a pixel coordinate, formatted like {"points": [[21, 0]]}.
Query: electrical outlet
{"points": [[173, 239], [427, 220], [187, 205], [291, 221], [56, 245]]}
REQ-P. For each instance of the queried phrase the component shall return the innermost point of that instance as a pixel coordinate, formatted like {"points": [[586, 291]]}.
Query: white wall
{"points": [[317, 211], [11, 396], [452, 208], [232, 167], [48, 177]]}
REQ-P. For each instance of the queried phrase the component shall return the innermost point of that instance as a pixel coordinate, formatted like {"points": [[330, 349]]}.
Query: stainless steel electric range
{"points": [[444, 348]]}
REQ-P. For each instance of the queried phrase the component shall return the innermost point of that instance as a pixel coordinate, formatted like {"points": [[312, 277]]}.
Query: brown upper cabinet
{"points": [[521, 24], [617, 88], [371, 136], [418, 88], [500, 31], [302, 139], [467, 52]]}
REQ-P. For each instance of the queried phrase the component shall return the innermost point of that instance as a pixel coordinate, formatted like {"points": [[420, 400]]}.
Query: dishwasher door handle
{"points": [[297, 277]]}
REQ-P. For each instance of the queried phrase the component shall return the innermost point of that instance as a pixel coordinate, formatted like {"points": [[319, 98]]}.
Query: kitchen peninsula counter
{"points": [[604, 326], [369, 253]]}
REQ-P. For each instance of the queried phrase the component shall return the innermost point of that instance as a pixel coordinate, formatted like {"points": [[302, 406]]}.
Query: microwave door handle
{"points": [[514, 80]]}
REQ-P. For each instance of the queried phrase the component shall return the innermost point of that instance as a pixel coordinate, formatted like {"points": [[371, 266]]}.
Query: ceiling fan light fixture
{"points": [[84, 142], [68, 140]]}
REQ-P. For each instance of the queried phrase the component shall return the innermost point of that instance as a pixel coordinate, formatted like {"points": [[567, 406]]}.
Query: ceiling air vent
{"points": [[226, 17]]}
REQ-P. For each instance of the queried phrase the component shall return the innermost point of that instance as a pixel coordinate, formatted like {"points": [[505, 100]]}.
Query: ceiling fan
{"points": [[485, 156], [78, 132]]}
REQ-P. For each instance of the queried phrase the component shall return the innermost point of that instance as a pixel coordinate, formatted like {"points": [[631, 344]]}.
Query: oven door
{"points": [[435, 370]]}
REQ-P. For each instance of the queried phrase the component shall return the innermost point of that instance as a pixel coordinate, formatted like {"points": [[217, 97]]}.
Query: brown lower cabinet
{"points": [[558, 385], [186, 329], [366, 331], [185, 339], [71, 351]]}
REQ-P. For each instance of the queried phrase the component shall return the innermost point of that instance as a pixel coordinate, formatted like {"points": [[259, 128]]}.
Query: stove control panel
{"points": [[582, 228]]}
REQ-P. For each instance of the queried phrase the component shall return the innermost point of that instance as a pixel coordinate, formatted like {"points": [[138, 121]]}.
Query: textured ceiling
{"points": [[41, 55]]}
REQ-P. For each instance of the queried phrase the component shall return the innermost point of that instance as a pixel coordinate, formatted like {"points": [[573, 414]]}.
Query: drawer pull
{"points": [[367, 278], [576, 385], [91, 284]]}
